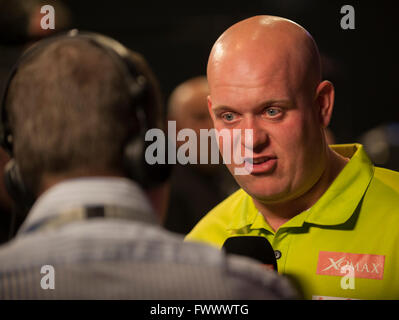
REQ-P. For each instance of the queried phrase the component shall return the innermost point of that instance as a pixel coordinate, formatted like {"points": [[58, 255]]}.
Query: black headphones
{"points": [[148, 176]]}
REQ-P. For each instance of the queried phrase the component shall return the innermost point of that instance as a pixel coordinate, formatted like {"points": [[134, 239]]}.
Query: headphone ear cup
{"points": [[134, 161], [15, 186], [147, 175]]}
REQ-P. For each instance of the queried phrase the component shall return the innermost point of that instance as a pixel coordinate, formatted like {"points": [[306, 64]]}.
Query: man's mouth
{"points": [[257, 160], [259, 165]]}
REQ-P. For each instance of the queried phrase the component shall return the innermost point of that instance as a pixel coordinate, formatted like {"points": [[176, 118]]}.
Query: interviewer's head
{"points": [[71, 115]]}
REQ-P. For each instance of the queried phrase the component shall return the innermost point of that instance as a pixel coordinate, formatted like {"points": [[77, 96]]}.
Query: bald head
{"points": [[188, 106], [187, 98], [265, 46]]}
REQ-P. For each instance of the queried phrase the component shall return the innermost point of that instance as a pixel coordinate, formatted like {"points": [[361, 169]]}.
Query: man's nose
{"points": [[259, 136]]}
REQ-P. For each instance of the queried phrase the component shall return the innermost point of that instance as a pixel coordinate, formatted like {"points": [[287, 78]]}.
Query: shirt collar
{"points": [[334, 207], [343, 196], [90, 191]]}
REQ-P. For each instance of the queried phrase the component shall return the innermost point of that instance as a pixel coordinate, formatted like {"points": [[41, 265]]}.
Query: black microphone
{"points": [[257, 248]]}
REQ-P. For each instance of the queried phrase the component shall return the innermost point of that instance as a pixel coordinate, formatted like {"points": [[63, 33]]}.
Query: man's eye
{"points": [[272, 112], [228, 116]]}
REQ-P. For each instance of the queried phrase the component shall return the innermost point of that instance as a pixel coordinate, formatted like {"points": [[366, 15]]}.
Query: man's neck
{"points": [[49, 180], [158, 196], [277, 214]]}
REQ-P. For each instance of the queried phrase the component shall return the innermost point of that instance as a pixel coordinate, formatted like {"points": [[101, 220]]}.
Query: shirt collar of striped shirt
{"points": [[112, 192]]}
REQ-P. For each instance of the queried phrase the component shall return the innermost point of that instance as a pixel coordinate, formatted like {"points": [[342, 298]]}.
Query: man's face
{"points": [[193, 114], [287, 135]]}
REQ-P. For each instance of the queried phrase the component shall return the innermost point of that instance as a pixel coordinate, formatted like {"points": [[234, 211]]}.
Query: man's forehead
{"points": [[255, 65], [247, 75]]}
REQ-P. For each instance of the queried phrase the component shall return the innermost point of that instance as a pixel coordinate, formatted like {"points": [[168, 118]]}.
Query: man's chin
{"points": [[270, 199], [265, 196]]}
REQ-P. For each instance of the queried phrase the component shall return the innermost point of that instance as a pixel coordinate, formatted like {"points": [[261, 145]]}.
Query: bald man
{"points": [[330, 215], [188, 107], [195, 188]]}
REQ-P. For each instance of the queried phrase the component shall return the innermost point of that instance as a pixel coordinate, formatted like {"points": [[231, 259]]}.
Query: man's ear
{"points": [[325, 102], [210, 108]]}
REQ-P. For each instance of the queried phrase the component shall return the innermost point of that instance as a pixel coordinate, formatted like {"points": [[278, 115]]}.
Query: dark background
{"points": [[176, 38]]}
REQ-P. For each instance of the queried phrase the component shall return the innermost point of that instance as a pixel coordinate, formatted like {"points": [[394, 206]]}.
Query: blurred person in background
{"points": [[20, 20], [195, 188], [382, 144]]}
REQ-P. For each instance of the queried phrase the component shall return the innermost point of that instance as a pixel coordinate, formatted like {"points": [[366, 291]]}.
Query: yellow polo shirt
{"points": [[345, 246]]}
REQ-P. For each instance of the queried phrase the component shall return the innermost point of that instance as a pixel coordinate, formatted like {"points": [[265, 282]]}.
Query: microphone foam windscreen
{"points": [[257, 248]]}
